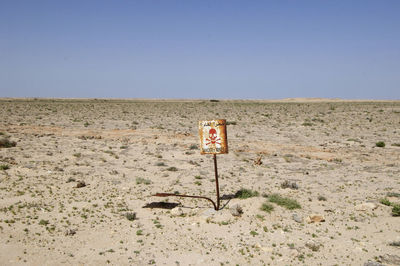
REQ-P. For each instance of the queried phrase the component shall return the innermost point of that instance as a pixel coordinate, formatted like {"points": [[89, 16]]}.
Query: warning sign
{"points": [[213, 138]]}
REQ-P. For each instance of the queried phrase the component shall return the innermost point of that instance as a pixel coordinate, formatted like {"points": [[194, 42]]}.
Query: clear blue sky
{"points": [[200, 49]]}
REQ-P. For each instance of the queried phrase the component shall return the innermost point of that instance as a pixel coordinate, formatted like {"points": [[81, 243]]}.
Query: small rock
{"points": [[204, 173], [390, 259], [288, 184], [373, 263], [29, 166], [395, 243], [70, 179], [209, 213], [267, 249], [314, 246], [58, 169], [200, 262], [297, 217], [70, 232], [177, 211], [315, 218], [80, 184], [293, 253], [366, 206], [236, 210], [114, 172], [322, 198]]}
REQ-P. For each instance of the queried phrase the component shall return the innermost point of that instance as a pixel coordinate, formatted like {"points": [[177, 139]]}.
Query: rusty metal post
{"points": [[216, 180]]}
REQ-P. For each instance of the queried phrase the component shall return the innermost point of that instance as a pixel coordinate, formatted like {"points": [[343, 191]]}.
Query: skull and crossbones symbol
{"points": [[213, 137]]}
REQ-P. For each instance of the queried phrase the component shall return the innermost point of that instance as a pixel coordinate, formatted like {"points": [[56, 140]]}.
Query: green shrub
{"points": [[193, 147], [44, 222], [385, 201], [393, 194], [253, 233], [130, 216], [267, 207], [288, 203], [307, 124], [246, 193], [380, 144], [396, 210], [4, 167]]}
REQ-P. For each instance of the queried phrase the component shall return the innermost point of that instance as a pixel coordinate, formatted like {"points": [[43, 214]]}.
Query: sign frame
{"points": [[213, 136]]}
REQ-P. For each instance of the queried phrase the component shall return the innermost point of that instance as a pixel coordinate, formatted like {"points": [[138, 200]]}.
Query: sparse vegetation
{"points": [[288, 203], [43, 222], [307, 124], [267, 207], [385, 201], [380, 144], [395, 206], [393, 194], [253, 233], [396, 210], [246, 193], [4, 167], [193, 147], [130, 216], [6, 143], [141, 180]]}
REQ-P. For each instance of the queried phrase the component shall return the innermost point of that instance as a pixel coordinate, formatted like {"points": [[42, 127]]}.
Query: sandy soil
{"points": [[77, 187]]}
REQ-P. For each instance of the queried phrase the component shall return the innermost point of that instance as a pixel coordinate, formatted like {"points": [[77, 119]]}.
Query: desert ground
{"points": [[305, 182]]}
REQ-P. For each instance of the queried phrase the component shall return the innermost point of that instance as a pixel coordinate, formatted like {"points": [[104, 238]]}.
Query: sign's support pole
{"points": [[216, 180]]}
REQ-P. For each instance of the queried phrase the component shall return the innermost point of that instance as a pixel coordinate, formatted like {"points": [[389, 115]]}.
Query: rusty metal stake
{"points": [[216, 206], [216, 180]]}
